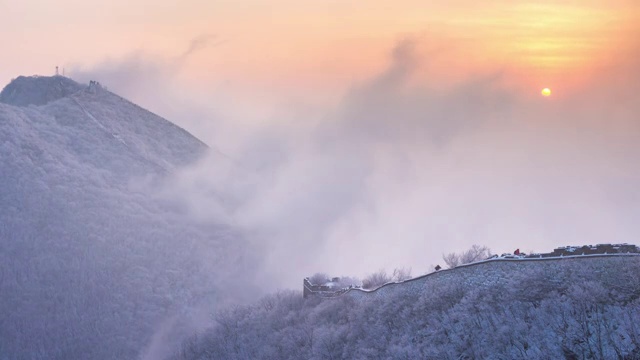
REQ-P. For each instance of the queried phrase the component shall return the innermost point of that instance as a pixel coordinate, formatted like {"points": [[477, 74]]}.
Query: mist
{"points": [[406, 166]]}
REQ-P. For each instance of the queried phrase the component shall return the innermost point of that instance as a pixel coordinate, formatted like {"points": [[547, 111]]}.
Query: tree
{"points": [[319, 279], [401, 274], [475, 253], [376, 279], [452, 260]]}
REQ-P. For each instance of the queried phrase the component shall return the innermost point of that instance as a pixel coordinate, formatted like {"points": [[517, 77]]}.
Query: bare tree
{"points": [[452, 260], [401, 274], [475, 253], [376, 279]]}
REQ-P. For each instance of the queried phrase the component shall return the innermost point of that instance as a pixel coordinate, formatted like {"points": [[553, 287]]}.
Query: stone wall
{"points": [[611, 269]]}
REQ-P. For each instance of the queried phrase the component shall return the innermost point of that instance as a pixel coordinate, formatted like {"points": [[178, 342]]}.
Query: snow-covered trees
{"points": [[319, 279], [571, 313]]}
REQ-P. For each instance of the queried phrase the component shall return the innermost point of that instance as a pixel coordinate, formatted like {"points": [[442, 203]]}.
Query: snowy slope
{"points": [[92, 266], [96, 119]]}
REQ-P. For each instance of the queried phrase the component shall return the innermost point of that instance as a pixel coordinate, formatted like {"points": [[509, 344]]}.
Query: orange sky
{"points": [[279, 45]]}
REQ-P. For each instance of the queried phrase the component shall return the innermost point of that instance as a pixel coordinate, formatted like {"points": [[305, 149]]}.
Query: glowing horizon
{"points": [[289, 44]]}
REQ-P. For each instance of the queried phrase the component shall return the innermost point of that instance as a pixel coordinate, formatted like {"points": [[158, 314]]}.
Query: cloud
{"points": [[130, 75], [406, 166], [296, 182], [391, 107], [404, 170], [153, 82], [199, 43], [141, 69]]}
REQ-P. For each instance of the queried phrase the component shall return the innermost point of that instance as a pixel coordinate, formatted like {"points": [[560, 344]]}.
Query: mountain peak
{"points": [[38, 90]]}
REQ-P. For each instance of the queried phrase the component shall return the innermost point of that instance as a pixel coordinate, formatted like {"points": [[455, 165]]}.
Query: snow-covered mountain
{"points": [[85, 121], [92, 264]]}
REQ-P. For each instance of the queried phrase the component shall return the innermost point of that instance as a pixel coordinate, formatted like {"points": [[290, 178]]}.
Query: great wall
{"points": [[604, 262]]}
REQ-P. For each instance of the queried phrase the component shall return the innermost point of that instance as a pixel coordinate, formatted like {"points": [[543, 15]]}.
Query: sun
{"points": [[546, 92]]}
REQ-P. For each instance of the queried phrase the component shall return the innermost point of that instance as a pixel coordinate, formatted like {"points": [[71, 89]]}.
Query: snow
{"points": [[89, 253], [498, 310]]}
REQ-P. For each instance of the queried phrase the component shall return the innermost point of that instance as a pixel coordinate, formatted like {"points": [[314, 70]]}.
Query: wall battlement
{"points": [[602, 262]]}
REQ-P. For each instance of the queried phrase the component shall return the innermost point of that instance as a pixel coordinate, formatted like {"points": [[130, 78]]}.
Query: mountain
{"points": [[90, 117], [576, 307], [93, 263]]}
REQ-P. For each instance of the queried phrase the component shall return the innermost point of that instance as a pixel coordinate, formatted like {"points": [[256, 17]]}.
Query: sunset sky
{"points": [[327, 45], [392, 129]]}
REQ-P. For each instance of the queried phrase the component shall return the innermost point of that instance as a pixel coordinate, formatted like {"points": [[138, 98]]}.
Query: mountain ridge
{"points": [[93, 114], [93, 260], [38, 90]]}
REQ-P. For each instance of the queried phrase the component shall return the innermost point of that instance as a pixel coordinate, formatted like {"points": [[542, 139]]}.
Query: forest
{"points": [[571, 313]]}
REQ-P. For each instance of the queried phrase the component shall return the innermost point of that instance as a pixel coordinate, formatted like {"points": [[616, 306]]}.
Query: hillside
{"points": [[93, 264], [573, 308]]}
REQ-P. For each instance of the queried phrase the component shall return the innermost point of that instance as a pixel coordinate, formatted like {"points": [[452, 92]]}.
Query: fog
{"points": [[405, 166]]}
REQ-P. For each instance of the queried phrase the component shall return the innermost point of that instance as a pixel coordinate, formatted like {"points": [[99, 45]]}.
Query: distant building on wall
{"points": [[329, 289], [593, 250]]}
